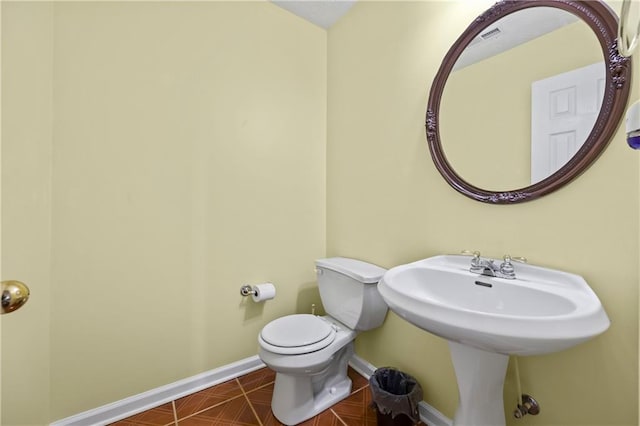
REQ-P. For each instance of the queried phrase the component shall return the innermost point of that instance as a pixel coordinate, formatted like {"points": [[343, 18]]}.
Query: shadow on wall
{"points": [[251, 309], [309, 295]]}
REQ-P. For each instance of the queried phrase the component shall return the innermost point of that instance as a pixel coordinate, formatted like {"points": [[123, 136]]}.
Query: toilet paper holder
{"points": [[259, 292], [247, 290]]}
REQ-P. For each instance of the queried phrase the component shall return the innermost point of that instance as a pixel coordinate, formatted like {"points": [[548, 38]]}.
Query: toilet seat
{"points": [[297, 334]]}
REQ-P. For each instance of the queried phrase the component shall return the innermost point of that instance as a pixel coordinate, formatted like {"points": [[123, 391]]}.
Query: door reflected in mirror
{"points": [[522, 98]]}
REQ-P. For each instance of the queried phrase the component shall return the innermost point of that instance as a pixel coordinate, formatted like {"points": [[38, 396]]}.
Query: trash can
{"points": [[395, 396]]}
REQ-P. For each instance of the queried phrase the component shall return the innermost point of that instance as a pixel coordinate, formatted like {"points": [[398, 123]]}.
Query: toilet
{"points": [[310, 354]]}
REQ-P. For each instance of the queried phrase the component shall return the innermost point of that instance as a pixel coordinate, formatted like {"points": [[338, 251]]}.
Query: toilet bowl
{"points": [[310, 354]]}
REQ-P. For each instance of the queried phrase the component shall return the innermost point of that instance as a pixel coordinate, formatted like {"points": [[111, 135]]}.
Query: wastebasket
{"points": [[395, 395]]}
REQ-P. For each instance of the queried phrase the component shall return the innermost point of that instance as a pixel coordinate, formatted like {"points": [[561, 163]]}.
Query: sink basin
{"points": [[486, 319], [541, 311]]}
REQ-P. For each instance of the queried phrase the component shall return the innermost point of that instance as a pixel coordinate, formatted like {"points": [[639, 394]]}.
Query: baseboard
{"points": [[428, 414], [138, 403]]}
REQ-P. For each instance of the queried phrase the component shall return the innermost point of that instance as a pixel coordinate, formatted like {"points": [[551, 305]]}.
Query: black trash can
{"points": [[395, 396]]}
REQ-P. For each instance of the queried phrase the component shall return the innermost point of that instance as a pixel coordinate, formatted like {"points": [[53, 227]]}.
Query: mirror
{"points": [[501, 64], [506, 120]]}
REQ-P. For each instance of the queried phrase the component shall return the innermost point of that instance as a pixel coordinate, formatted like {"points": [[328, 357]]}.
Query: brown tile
{"points": [[159, 416], [261, 401], [326, 418], [356, 410], [207, 398], [256, 379], [236, 412], [358, 380], [271, 420]]}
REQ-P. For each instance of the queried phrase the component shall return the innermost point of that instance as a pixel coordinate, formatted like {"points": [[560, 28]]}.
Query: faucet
{"points": [[483, 266], [487, 267]]}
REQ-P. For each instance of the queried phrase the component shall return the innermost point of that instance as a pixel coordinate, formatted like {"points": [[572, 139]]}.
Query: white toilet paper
{"points": [[264, 291]]}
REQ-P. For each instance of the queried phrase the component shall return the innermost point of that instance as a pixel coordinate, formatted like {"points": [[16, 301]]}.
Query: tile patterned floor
{"points": [[246, 401]]}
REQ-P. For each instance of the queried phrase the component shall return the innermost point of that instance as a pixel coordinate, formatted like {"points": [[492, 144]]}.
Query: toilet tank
{"points": [[349, 292]]}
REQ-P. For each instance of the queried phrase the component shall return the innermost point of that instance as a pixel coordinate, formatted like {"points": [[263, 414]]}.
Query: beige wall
{"points": [[27, 92], [388, 204], [188, 159]]}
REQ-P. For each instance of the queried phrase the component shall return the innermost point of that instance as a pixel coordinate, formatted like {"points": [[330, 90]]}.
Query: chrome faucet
{"points": [[484, 267], [487, 267]]}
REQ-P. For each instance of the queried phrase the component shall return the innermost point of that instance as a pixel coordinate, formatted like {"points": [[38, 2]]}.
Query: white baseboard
{"points": [[428, 414], [138, 403]]}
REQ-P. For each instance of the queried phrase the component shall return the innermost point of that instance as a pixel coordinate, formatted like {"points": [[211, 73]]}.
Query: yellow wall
{"points": [[388, 204], [188, 159], [27, 89]]}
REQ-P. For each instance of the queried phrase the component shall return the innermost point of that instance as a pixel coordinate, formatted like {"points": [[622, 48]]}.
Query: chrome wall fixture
{"points": [[633, 126], [628, 38], [247, 290], [628, 32]]}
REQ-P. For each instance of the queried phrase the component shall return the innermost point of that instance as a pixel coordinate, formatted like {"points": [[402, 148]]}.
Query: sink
{"points": [[541, 311], [486, 319]]}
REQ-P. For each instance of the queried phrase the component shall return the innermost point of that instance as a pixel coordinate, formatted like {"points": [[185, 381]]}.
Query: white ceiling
{"points": [[323, 13]]}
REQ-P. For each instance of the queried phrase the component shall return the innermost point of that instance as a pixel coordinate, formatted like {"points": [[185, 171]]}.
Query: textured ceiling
{"points": [[323, 13]]}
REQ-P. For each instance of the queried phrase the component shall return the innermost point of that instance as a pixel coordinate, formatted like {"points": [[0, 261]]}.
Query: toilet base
{"points": [[292, 411], [297, 398]]}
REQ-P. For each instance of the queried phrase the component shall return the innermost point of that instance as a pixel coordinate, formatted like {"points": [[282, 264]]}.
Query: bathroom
{"points": [[158, 155]]}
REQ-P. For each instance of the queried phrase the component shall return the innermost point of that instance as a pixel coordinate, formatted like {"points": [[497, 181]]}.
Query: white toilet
{"points": [[310, 354]]}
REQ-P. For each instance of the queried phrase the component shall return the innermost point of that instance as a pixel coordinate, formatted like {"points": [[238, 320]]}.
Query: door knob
{"points": [[14, 295]]}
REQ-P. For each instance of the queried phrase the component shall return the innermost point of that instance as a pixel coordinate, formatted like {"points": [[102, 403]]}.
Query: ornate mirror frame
{"points": [[604, 23]]}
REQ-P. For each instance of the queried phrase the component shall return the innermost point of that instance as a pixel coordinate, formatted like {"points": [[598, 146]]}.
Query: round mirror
{"points": [[527, 98]]}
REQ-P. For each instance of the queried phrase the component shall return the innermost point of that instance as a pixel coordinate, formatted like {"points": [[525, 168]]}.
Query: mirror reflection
{"points": [[528, 89]]}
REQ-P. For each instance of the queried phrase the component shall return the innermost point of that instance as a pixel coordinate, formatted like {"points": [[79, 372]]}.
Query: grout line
{"points": [[250, 404], [257, 388], [359, 389], [175, 413], [210, 407], [338, 417]]}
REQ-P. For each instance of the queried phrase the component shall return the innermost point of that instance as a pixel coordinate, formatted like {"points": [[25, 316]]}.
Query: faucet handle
{"points": [[475, 261], [509, 258], [475, 253], [506, 268]]}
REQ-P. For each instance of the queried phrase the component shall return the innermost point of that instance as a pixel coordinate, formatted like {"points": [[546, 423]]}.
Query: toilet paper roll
{"points": [[264, 291]]}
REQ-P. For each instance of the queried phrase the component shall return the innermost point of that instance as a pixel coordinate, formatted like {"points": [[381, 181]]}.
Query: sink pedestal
{"points": [[480, 376]]}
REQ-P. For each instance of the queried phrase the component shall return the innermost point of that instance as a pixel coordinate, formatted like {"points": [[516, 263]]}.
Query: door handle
{"points": [[14, 295]]}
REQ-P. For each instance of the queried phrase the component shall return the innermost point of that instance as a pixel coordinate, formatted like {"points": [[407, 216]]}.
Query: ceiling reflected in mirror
{"points": [[511, 31]]}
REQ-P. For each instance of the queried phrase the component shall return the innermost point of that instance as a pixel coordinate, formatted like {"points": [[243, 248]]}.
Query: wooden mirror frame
{"points": [[604, 23]]}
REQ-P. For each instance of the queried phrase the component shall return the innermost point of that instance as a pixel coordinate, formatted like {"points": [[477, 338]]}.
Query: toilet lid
{"points": [[297, 334]]}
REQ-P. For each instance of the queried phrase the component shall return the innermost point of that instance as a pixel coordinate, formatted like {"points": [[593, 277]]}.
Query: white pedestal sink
{"points": [[486, 319]]}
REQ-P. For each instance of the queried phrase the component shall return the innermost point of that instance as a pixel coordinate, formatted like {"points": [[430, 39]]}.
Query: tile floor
{"points": [[246, 401]]}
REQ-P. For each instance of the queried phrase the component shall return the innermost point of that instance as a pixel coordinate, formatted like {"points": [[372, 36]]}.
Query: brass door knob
{"points": [[14, 295]]}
